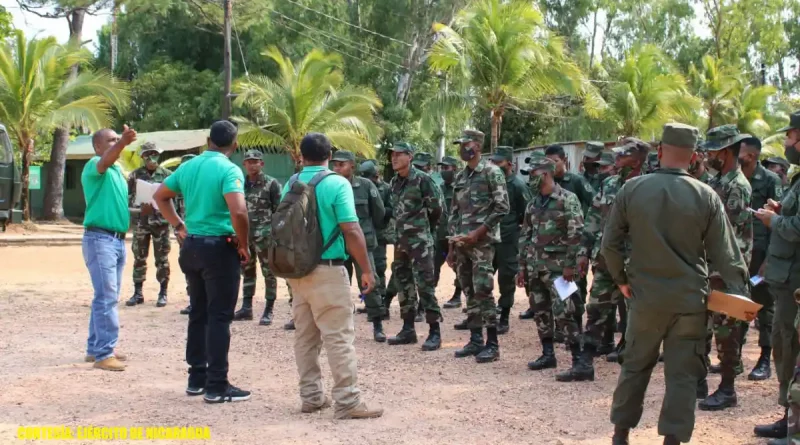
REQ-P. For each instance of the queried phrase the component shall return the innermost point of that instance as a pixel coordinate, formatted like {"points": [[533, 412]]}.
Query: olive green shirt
{"points": [[766, 185], [519, 194], [578, 185]]}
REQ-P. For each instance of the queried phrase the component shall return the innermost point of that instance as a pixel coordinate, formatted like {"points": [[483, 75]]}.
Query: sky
{"points": [[32, 24]]}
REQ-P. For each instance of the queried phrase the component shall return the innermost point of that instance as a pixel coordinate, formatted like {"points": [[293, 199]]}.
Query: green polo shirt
{"points": [[106, 197], [204, 182], [336, 205]]}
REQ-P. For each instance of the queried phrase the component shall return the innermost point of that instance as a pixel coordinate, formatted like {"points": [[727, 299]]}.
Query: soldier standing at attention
{"points": [[782, 274], [385, 231], [151, 225], [675, 222], [180, 208], [262, 193], [370, 212], [448, 168], [591, 156], [416, 210], [480, 201], [734, 190], [548, 248]]}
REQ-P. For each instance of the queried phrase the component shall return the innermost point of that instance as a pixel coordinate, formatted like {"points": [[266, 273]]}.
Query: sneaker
{"points": [[309, 408], [110, 364], [195, 391], [359, 412], [232, 394], [120, 356]]}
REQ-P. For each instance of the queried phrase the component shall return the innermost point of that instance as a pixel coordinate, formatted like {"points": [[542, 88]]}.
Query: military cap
{"points": [[701, 146], [593, 149], [470, 135], [187, 158], [503, 153], [343, 156], [539, 161], [254, 155], [403, 147], [606, 158], [778, 160], [368, 169], [719, 138], [794, 122], [629, 146], [149, 146], [421, 159], [680, 135], [449, 160]]}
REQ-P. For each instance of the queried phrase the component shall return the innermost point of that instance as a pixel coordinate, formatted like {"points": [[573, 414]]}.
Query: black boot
{"points": [[669, 439], [455, 301], [781, 441], [137, 297], [434, 340], [407, 335], [461, 326], [162, 295], [724, 397], [266, 317], [246, 312], [502, 325], [620, 436], [616, 355], [702, 389], [548, 358], [527, 315], [579, 371], [186, 310], [762, 371], [377, 331], [775, 430], [289, 326], [490, 352], [475, 345]]}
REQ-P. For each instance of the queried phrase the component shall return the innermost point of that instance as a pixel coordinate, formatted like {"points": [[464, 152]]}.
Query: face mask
{"points": [[791, 153], [153, 159], [448, 176], [590, 169], [466, 153], [625, 171], [536, 183]]}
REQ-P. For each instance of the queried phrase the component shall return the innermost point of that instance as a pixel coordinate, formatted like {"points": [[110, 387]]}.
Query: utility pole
{"points": [[441, 151], [226, 93], [114, 37]]}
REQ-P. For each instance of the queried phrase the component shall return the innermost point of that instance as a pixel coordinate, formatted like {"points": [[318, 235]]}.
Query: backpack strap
{"points": [[334, 235], [292, 180]]}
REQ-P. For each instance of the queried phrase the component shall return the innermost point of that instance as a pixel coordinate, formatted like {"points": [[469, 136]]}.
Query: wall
{"points": [[74, 205], [278, 165]]}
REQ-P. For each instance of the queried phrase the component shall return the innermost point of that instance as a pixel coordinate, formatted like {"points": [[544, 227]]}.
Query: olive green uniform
{"points": [[506, 261]]}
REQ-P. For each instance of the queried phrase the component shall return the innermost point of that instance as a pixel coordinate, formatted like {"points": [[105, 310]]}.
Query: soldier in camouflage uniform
{"points": [[591, 168], [480, 201], [416, 209], [734, 189], [548, 247], [423, 161], [262, 193], [448, 168], [150, 225], [180, 208], [385, 232], [780, 167]]}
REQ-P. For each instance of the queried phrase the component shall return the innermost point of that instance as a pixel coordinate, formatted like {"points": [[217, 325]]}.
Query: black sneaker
{"points": [[232, 394], [195, 391]]}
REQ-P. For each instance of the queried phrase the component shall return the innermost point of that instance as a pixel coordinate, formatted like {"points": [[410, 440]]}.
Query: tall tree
{"points": [[6, 23], [718, 85]]}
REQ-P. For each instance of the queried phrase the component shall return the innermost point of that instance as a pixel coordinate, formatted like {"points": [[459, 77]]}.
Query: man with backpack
{"points": [[313, 229]]}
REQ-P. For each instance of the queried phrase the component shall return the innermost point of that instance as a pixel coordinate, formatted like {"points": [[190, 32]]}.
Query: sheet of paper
{"points": [[144, 193], [736, 306], [756, 280], [564, 288]]}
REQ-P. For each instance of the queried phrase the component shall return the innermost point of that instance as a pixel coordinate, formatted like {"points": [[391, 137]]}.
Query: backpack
{"points": [[296, 244]]}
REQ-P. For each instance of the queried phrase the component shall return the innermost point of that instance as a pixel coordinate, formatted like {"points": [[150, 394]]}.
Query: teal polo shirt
{"points": [[106, 197], [204, 182], [336, 206]]}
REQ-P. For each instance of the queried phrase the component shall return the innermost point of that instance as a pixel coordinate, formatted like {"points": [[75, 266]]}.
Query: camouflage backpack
{"points": [[296, 244]]}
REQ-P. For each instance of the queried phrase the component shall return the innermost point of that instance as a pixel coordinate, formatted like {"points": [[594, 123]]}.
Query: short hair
{"points": [[97, 135], [555, 150], [753, 142], [315, 147], [223, 133]]}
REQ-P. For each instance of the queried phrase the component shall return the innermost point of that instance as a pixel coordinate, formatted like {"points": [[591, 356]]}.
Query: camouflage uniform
{"points": [[592, 151], [262, 195], [154, 226]]}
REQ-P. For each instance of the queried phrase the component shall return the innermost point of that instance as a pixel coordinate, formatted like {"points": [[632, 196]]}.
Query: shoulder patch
{"points": [[373, 192]]}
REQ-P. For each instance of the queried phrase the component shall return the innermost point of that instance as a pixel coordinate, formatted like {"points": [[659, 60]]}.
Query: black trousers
{"points": [[212, 269]]}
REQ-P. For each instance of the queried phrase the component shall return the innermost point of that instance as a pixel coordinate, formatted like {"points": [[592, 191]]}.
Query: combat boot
{"points": [[266, 317], [502, 325], [137, 297], [781, 441], [407, 335], [434, 340], [162, 295], [455, 301], [490, 352], [474, 346], [246, 311], [762, 371], [579, 372], [463, 326], [724, 397], [187, 310], [775, 430], [377, 331], [548, 358], [289, 326], [669, 439], [620, 436], [527, 315]]}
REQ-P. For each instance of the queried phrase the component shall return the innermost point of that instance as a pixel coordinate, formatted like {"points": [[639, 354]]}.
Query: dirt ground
{"points": [[430, 398]]}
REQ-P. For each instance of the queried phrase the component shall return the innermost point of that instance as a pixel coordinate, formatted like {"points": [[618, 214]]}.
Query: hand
{"points": [[761, 269], [520, 279], [625, 289], [181, 233], [765, 216], [367, 282], [128, 135], [244, 253], [147, 209], [451, 260], [470, 238], [583, 265], [773, 205], [569, 274]]}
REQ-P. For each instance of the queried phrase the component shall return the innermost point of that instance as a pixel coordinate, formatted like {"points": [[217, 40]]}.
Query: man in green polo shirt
{"points": [[106, 193]]}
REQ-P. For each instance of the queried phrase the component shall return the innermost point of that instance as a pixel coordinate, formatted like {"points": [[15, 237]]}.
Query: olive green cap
{"points": [[368, 169], [680, 135], [503, 153], [149, 146], [593, 149], [343, 156], [778, 160], [254, 155], [538, 161], [470, 135], [722, 137], [794, 122], [606, 158], [403, 147], [422, 159], [449, 160], [629, 146]]}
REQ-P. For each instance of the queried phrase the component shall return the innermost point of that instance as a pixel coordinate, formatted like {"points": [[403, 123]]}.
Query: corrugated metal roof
{"points": [[177, 140]]}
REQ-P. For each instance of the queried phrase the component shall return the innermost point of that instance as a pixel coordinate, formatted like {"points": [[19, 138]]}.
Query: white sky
{"points": [[32, 24]]}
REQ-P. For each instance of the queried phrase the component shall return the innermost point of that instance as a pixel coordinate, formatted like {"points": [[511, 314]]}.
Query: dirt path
{"points": [[430, 398]]}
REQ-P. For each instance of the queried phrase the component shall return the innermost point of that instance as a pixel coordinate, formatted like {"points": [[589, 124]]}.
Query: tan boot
{"points": [[110, 364], [359, 412], [120, 356], [309, 408]]}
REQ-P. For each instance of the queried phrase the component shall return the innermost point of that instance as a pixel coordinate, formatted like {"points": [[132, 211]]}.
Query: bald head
{"points": [[103, 139]]}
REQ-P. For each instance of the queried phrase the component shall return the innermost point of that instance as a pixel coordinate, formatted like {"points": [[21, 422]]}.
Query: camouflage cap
{"points": [[254, 155], [149, 146], [343, 156], [629, 146], [403, 147], [470, 135], [722, 137], [593, 149], [503, 153], [794, 123], [539, 161], [606, 158], [701, 146], [680, 135], [422, 159], [187, 158], [368, 169], [449, 160], [778, 160]]}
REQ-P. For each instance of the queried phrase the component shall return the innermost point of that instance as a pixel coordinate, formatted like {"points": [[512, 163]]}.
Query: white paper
{"points": [[756, 280], [564, 288], [144, 193]]}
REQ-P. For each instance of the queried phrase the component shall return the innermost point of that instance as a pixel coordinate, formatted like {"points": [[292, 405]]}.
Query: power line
{"points": [[239, 43]]}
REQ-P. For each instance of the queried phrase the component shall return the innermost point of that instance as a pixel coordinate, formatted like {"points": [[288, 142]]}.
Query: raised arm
{"points": [[112, 154]]}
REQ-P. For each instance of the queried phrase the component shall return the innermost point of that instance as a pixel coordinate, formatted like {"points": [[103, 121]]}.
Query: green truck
{"points": [[9, 180]]}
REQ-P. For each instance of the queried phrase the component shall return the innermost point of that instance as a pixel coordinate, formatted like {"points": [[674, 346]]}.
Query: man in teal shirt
{"points": [[215, 234], [106, 193]]}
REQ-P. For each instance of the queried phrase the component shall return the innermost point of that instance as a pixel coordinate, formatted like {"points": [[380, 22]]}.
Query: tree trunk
{"points": [[497, 119], [25, 201], [710, 118]]}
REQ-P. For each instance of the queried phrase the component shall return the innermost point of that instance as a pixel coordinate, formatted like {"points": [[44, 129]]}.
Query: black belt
{"points": [[117, 235], [211, 237], [331, 262]]}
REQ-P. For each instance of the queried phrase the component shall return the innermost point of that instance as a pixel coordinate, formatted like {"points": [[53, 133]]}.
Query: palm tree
{"points": [[38, 95], [649, 93], [718, 86], [499, 55], [751, 110], [309, 97]]}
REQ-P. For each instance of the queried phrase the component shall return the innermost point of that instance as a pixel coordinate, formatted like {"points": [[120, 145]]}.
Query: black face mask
{"points": [[791, 153], [466, 153], [448, 176], [590, 168]]}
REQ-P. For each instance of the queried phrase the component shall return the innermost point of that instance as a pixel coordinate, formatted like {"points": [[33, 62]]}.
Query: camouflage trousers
{"points": [[413, 268], [258, 252], [603, 300], [549, 310], [141, 250], [372, 301], [476, 275], [379, 255], [728, 335], [506, 264]]}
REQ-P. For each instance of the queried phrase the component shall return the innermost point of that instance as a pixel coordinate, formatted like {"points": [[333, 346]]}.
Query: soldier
{"points": [[591, 155], [782, 273], [150, 225], [447, 170], [385, 231], [180, 208], [673, 223], [698, 168], [548, 248], [416, 210], [370, 212], [766, 185], [734, 190], [262, 194], [422, 161], [652, 162], [480, 202], [780, 167]]}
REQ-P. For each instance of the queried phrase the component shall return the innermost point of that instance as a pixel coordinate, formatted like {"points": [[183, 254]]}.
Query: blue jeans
{"points": [[104, 256]]}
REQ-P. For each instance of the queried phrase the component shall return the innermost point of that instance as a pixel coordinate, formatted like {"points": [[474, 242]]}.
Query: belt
{"points": [[331, 262], [117, 235], [211, 237]]}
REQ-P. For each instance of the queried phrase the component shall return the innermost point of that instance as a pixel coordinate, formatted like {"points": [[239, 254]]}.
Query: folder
{"points": [[736, 306]]}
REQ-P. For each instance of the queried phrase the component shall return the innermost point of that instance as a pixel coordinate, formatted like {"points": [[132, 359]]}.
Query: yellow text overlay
{"points": [[113, 433]]}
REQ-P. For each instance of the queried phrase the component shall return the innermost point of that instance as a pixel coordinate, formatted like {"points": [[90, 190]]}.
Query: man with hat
{"points": [[652, 162], [782, 274], [262, 194], [448, 167], [674, 225], [698, 168], [780, 167], [180, 209], [150, 225], [480, 201], [422, 161], [370, 212], [384, 232], [416, 210], [548, 248], [591, 154], [723, 144]]}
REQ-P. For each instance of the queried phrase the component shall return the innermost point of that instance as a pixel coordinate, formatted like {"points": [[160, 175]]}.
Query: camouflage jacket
{"points": [[369, 208], [765, 185], [578, 185], [519, 194], [479, 199], [158, 176], [551, 232], [385, 232], [416, 208], [447, 201], [262, 196], [595, 181], [705, 178], [736, 194]]}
